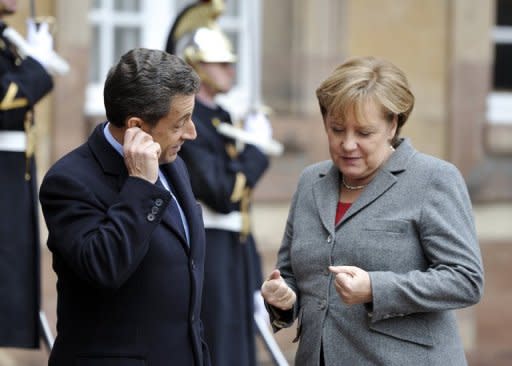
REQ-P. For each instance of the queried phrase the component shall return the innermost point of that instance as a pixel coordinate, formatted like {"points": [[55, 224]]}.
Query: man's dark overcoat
{"points": [[129, 286]]}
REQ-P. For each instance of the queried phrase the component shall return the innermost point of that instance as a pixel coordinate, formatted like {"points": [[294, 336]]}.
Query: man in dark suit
{"points": [[125, 230]]}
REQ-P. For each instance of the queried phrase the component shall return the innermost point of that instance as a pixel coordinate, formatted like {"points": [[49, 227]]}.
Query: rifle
{"points": [[269, 341]]}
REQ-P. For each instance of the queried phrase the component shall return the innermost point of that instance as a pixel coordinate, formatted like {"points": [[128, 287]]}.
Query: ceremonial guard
{"points": [[24, 81], [224, 173]]}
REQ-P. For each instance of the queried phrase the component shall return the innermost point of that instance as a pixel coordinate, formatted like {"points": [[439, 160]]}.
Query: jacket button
{"points": [[150, 217], [192, 264], [322, 304], [329, 239], [159, 202], [154, 210]]}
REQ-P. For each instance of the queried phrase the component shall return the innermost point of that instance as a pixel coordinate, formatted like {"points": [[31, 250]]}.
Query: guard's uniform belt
{"points": [[214, 220], [13, 141]]}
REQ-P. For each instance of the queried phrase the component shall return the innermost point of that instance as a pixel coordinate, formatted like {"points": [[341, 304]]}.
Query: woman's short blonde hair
{"points": [[366, 79]]}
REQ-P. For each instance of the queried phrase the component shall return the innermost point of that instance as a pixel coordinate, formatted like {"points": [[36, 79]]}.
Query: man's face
{"points": [[220, 75], [174, 129], [7, 6]]}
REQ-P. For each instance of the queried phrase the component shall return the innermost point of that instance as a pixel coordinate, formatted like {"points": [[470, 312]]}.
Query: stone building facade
{"points": [[444, 46]]}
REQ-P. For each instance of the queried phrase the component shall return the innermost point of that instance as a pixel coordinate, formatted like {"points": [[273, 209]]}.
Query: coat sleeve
{"points": [[102, 244], [21, 87], [454, 278], [32, 80], [280, 318]]}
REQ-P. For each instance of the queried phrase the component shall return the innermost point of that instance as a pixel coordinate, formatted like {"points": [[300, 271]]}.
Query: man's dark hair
{"points": [[143, 83]]}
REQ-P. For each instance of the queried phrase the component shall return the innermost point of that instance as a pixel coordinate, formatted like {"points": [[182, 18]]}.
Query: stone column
{"points": [[318, 45], [68, 129], [482, 151]]}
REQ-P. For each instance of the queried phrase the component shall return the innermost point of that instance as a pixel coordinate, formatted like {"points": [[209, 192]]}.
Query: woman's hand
{"points": [[352, 284], [276, 292]]}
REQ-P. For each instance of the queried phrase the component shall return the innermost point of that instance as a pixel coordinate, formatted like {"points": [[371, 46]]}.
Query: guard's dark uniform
{"points": [[222, 180], [23, 83]]}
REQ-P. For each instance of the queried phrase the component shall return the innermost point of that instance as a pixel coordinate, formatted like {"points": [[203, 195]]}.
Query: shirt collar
{"points": [[111, 140]]}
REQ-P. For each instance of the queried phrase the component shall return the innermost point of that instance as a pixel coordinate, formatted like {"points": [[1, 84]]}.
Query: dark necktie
{"points": [[173, 213]]}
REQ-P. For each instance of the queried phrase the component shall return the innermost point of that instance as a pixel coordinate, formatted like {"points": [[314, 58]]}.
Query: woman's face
{"points": [[359, 148]]}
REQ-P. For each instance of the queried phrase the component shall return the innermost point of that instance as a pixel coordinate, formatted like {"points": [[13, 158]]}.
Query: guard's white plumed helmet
{"points": [[205, 44]]}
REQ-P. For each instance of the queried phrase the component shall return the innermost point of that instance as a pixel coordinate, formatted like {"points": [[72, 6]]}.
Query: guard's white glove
{"points": [[258, 124], [259, 306], [40, 41]]}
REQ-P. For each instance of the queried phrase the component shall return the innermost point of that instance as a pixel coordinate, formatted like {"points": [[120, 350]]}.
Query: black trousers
{"points": [[322, 362]]}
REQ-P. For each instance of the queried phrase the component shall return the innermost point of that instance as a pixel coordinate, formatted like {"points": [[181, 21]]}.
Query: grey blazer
{"points": [[412, 229]]}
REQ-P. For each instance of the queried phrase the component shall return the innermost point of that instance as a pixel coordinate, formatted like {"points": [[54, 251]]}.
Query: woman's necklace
{"points": [[356, 188], [352, 188]]}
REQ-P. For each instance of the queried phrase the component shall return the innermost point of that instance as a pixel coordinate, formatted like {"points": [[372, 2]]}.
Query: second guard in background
{"points": [[23, 82], [223, 178]]}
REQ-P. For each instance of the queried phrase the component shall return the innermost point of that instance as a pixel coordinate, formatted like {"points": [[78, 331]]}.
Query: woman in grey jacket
{"points": [[380, 244]]}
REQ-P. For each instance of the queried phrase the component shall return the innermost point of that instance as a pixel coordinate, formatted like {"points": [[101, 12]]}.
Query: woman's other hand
{"points": [[352, 284], [276, 292]]}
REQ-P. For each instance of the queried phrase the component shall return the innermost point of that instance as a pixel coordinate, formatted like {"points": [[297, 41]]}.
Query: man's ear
{"points": [[134, 122]]}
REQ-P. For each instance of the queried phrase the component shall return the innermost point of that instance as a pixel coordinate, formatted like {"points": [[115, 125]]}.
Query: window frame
{"points": [[246, 24], [499, 103], [246, 94]]}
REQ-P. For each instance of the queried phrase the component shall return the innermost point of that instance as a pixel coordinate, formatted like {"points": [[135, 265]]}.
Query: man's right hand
{"points": [[141, 154], [277, 293]]}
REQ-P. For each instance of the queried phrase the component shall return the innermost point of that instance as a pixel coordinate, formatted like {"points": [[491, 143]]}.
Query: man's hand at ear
{"points": [[141, 154]]}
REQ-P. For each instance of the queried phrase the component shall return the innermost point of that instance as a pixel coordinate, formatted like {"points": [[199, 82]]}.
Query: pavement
{"points": [[486, 328]]}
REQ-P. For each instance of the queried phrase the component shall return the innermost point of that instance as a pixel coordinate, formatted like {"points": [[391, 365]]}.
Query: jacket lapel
{"points": [[326, 193], [380, 184], [326, 188], [108, 158], [384, 180], [186, 199]]}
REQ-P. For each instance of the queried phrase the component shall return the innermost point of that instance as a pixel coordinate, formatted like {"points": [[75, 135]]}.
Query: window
{"points": [[119, 25], [499, 103], [241, 23]]}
